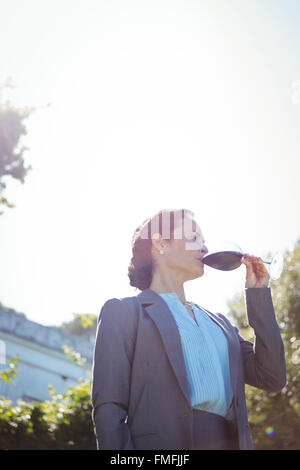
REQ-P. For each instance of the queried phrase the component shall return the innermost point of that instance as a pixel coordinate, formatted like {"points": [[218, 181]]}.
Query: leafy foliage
{"points": [[12, 162], [64, 422], [83, 325], [9, 374], [75, 356]]}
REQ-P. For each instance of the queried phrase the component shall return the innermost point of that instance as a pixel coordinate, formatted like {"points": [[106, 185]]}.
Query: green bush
{"points": [[64, 422]]}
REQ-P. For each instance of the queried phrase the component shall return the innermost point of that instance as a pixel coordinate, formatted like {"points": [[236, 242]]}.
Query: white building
{"points": [[41, 359]]}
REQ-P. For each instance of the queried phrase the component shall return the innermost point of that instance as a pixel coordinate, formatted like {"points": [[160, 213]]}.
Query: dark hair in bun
{"points": [[140, 269]]}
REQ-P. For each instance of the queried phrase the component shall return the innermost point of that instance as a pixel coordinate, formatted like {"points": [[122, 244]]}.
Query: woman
{"points": [[169, 374]]}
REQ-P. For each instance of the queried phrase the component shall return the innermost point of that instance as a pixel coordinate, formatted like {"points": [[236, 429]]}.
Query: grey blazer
{"points": [[140, 392]]}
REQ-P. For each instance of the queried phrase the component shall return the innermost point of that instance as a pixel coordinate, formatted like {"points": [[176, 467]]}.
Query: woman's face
{"points": [[183, 254]]}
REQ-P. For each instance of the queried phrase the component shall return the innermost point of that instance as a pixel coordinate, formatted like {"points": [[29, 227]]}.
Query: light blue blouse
{"points": [[205, 351]]}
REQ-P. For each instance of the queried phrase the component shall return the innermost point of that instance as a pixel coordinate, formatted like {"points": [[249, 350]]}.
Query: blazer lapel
{"points": [[158, 310]]}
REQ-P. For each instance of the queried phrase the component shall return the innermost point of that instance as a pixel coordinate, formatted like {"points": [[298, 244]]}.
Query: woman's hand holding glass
{"points": [[226, 256], [256, 272]]}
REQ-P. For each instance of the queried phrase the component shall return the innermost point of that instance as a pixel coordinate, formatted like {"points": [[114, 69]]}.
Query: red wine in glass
{"points": [[223, 260], [227, 260]]}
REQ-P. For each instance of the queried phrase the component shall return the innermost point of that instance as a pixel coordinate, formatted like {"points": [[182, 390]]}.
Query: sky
{"points": [[140, 106]]}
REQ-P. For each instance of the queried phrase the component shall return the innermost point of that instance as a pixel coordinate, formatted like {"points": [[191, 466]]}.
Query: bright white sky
{"points": [[153, 104]]}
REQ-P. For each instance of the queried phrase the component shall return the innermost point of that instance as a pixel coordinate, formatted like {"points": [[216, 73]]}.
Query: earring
{"points": [[161, 252]]}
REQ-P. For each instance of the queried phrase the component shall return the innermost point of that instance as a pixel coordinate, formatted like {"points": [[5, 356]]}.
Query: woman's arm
{"points": [[264, 360], [111, 376]]}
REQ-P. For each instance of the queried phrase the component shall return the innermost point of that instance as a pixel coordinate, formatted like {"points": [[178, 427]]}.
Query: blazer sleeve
{"points": [[113, 353], [264, 360]]}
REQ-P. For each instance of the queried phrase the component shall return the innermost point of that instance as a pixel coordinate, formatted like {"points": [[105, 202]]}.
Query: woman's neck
{"points": [[161, 284]]}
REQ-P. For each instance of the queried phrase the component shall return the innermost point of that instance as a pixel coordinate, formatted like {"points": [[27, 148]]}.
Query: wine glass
{"points": [[228, 256]]}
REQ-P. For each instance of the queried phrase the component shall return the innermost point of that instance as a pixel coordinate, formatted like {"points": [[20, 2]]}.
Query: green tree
{"points": [[83, 325], [274, 416], [12, 161]]}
